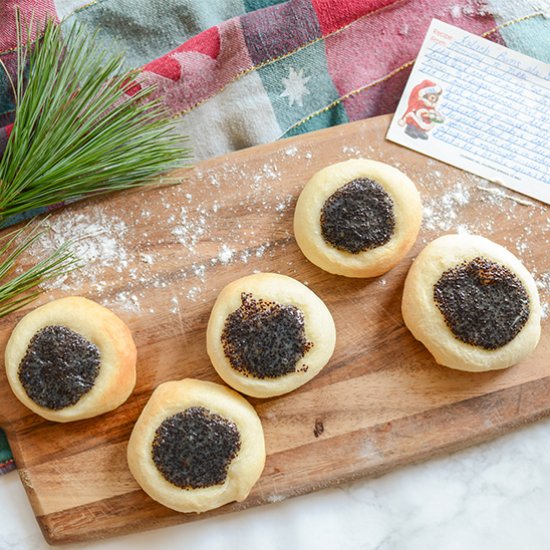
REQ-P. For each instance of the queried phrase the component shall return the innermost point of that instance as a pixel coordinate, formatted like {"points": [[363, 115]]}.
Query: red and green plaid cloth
{"points": [[236, 73]]}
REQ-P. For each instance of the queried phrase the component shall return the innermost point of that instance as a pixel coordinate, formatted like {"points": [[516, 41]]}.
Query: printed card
{"points": [[481, 107]]}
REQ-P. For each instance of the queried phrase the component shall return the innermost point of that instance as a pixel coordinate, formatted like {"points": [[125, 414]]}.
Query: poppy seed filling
{"points": [[59, 367], [194, 448], [358, 216], [264, 339], [483, 303]]}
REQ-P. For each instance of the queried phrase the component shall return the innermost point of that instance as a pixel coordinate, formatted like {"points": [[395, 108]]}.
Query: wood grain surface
{"points": [[380, 402]]}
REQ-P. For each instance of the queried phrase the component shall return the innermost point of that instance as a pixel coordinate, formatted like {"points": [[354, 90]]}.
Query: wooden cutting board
{"points": [[161, 257]]}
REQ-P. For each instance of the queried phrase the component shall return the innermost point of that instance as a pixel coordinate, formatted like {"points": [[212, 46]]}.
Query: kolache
{"points": [[472, 303], [71, 359], [269, 334], [357, 218]]}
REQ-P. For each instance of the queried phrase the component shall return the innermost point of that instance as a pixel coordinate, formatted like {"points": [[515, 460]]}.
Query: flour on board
{"points": [[124, 276]]}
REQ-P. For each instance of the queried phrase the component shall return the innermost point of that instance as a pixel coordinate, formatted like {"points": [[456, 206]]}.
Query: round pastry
{"points": [[472, 304], [357, 218], [268, 334], [71, 359], [196, 446]]}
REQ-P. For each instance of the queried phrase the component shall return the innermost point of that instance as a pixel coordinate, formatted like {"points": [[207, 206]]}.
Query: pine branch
{"points": [[77, 131], [19, 290]]}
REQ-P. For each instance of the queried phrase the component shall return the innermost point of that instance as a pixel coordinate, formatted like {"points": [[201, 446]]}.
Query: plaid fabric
{"points": [[236, 73], [6, 460]]}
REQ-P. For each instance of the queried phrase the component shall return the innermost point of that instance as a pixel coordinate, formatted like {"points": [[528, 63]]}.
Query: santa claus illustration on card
{"points": [[421, 114]]}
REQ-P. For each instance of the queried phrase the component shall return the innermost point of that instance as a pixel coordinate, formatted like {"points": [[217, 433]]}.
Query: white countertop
{"points": [[495, 496]]}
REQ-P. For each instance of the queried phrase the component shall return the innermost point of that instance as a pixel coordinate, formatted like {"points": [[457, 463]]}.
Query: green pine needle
{"points": [[19, 290], [76, 131]]}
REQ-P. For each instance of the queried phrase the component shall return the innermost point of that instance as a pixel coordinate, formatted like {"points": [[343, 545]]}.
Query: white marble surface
{"points": [[495, 496]]}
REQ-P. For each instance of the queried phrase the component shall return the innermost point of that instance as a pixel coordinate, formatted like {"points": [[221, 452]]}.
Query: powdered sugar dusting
{"points": [[291, 151], [543, 284], [188, 231], [178, 248], [194, 236], [225, 255], [472, 205], [441, 212], [96, 237], [351, 151], [98, 244]]}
